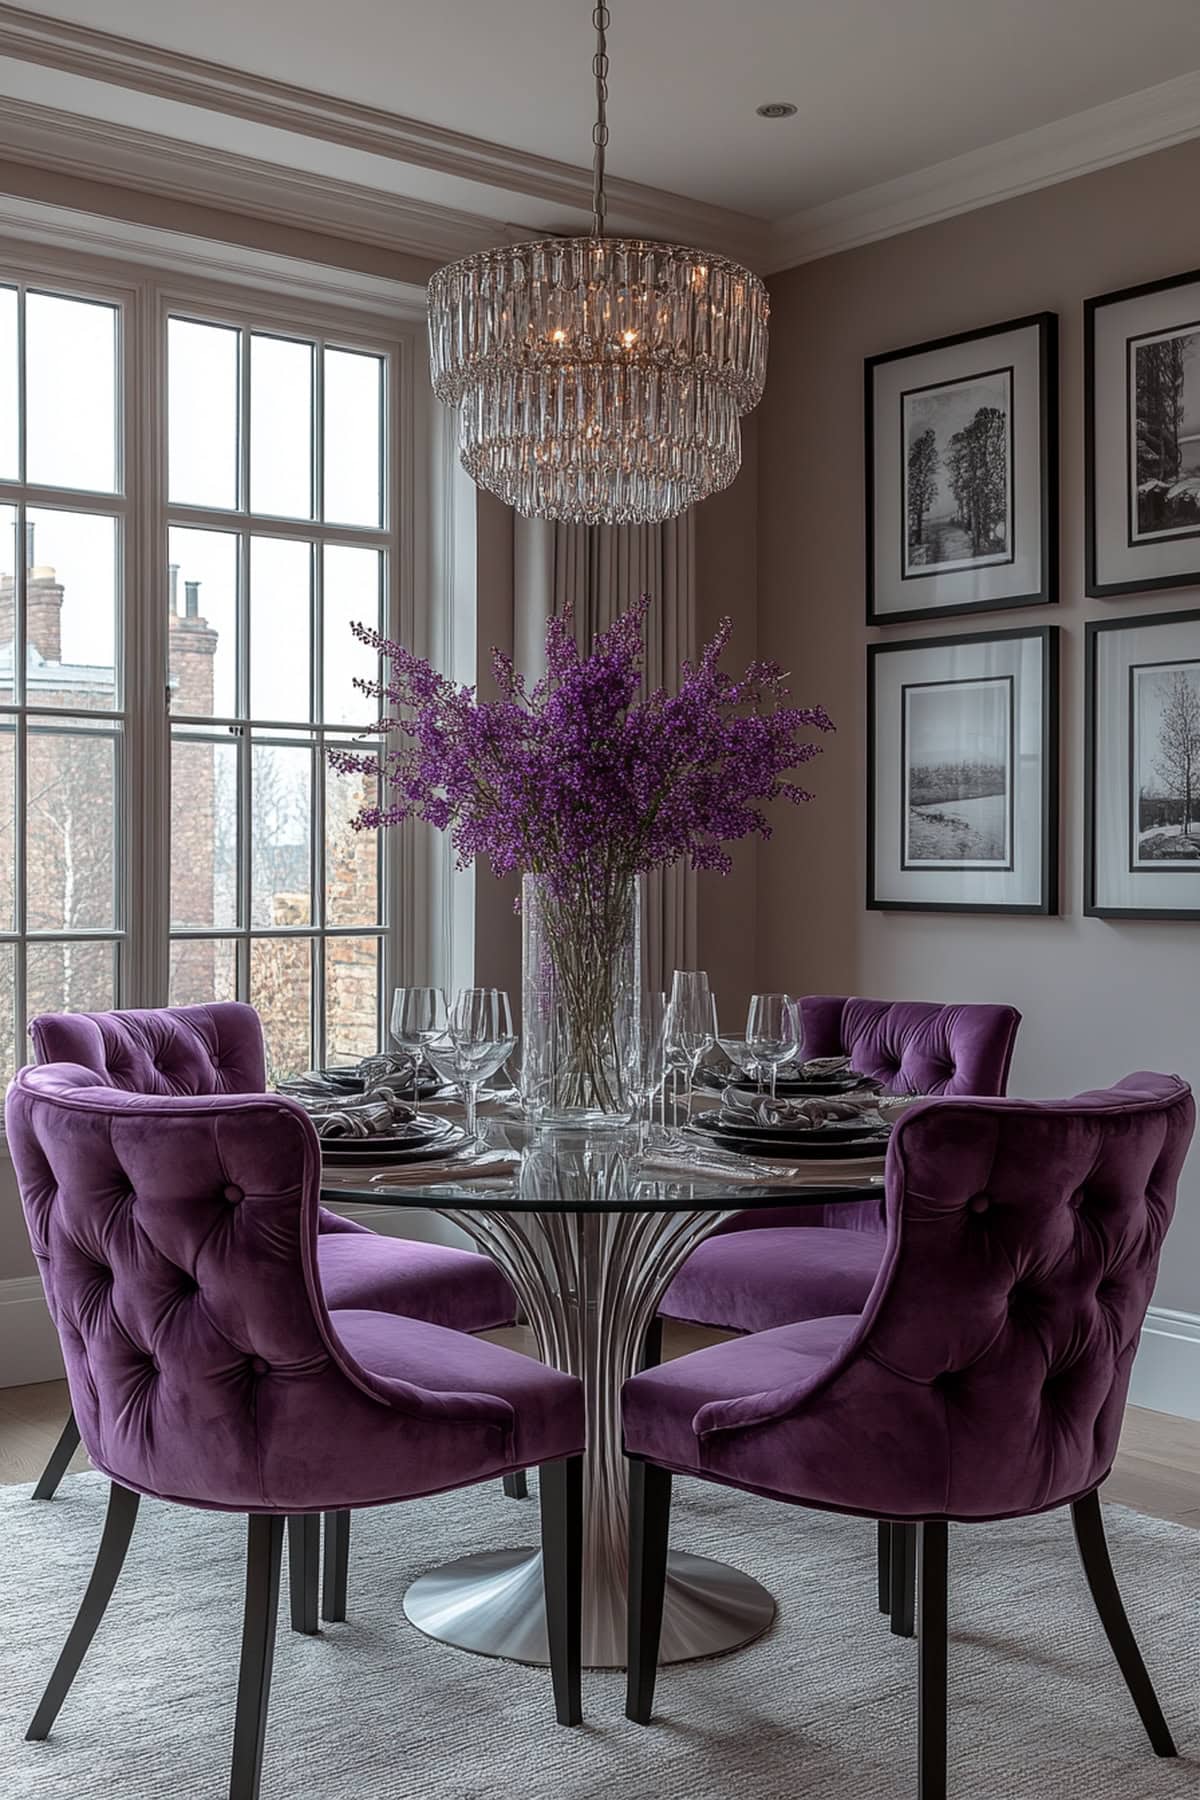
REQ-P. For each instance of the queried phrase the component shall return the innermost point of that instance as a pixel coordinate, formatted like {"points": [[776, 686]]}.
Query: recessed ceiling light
{"points": [[776, 109]]}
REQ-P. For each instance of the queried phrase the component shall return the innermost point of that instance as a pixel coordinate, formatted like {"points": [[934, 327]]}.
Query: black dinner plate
{"points": [[773, 1141], [352, 1152], [848, 1130], [788, 1087]]}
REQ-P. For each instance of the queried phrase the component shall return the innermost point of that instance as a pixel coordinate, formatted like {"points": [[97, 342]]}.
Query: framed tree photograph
{"points": [[962, 473], [962, 773], [1142, 437], [1142, 817]]}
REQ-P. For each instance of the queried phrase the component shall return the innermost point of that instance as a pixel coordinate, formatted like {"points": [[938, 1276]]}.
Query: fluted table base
{"points": [[493, 1605]]}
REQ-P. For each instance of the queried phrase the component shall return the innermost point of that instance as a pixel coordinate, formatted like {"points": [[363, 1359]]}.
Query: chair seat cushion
{"points": [[756, 1280], [548, 1405], [454, 1288], [659, 1405]]}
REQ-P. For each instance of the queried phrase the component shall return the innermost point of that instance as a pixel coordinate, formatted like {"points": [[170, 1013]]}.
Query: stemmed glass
{"points": [[478, 1038], [691, 1023], [418, 1016], [772, 1031], [651, 1067], [743, 1059]]}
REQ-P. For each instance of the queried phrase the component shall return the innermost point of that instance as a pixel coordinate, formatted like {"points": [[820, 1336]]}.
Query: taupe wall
{"points": [[1099, 999]]}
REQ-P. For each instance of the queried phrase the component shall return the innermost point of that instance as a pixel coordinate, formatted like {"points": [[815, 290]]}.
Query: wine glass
{"points": [[418, 1015], [743, 1058], [651, 1061], [692, 1022], [478, 1038], [772, 1031]]}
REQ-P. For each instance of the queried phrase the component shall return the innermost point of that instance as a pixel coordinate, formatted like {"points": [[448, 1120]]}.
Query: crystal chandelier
{"points": [[598, 380]]}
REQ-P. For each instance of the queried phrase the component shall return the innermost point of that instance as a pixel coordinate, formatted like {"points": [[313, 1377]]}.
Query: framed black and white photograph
{"points": [[1143, 767], [1142, 429], [962, 761], [961, 438]]}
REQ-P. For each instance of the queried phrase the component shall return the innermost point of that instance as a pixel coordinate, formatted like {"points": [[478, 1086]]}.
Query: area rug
{"points": [[820, 1709]]}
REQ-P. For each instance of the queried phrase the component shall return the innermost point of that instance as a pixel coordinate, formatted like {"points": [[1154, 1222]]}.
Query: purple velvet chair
{"points": [[178, 1241], [985, 1379], [218, 1049]]}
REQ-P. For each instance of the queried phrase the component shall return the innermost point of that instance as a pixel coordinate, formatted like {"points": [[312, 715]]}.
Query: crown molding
{"points": [[1119, 130], [202, 175], [195, 81]]}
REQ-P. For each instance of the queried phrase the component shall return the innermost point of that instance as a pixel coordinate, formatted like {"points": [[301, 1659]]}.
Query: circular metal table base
{"points": [[493, 1605]]}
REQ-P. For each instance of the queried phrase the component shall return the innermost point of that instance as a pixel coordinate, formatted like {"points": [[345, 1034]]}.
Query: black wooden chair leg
{"points": [[1088, 1521], [932, 1658], [516, 1486], [652, 1346], [264, 1555], [649, 1529], [337, 1566], [110, 1558], [304, 1570], [883, 1561], [60, 1458], [560, 1487], [903, 1571]]}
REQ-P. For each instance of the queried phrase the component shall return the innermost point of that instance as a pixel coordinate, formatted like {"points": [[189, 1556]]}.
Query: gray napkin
{"points": [[741, 1108]]}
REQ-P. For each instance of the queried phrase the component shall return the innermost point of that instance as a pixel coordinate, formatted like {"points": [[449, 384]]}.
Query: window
{"points": [[279, 540], [224, 570], [62, 723]]}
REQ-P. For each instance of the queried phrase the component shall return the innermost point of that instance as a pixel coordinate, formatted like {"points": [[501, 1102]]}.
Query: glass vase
{"points": [[581, 994]]}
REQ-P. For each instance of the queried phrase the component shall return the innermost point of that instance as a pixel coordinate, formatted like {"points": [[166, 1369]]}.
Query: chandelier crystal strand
{"points": [[599, 379]]}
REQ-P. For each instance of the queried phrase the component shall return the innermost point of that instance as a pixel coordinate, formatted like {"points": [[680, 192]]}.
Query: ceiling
{"points": [[884, 88]]}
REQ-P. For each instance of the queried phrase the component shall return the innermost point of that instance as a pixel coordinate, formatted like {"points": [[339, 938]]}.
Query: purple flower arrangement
{"points": [[585, 783]]}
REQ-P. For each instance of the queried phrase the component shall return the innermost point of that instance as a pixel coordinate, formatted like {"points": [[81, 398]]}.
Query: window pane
{"points": [[280, 629], [8, 821], [202, 970], [202, 622], [70, 610], [8, 599], [353, 438], [69, 978], [352, 597], [351, 999], [70, 821], [202, 410], [70, 392], [351, 857], [281, 385], [8, 1014], [281, 989], [204, 827], [281, 835], [9, 436]]}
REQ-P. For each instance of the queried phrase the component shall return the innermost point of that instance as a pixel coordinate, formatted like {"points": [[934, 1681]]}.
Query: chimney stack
{"points": [[192, 603], [173, 572]]}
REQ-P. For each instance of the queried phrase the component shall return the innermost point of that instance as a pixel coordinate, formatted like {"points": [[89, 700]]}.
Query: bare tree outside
{"points": [[1166, 738]]}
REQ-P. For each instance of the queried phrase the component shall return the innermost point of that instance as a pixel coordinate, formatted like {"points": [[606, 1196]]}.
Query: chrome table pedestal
{"points": [[589, 1283]]}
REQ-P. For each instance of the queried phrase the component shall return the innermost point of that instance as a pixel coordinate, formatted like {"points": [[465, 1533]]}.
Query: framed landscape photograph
{"points": [[1143, 767], [962, 782], [961, 475], [1142, 435]]}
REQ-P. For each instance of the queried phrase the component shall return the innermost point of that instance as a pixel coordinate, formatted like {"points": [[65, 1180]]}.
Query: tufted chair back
{"points": [[987, 1375], [176, 1239], [167, 1050], [915, 1046]]}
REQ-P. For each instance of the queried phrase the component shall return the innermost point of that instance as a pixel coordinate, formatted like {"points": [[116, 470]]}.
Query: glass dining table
{"points": [[590, 1237]]}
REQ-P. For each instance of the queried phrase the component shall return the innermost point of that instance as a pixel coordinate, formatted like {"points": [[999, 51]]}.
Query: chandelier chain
{"points": [[600, 19]]}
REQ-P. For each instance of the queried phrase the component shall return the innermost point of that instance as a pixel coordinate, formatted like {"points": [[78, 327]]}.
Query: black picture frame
{"points": [[1093, 906], [1047, 903], [1046, 591], [1096, 586]]}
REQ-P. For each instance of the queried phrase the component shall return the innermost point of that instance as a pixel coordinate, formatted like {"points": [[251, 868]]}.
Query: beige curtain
{"points": [[599, 571]]}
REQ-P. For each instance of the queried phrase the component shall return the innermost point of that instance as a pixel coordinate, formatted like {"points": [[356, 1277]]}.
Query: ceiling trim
{"points": [[201, 174], [195, 81], [1132, 126]]}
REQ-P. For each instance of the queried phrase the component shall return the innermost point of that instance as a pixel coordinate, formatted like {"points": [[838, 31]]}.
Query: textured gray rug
{"points": [[820, 1709]]}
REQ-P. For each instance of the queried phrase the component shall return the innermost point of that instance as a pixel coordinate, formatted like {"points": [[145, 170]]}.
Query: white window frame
{"points": [[415, 869]]}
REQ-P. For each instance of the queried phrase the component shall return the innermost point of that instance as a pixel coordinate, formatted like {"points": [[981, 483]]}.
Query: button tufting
{"points": [[259, 1366], [980, 1203], [233, 1194]]}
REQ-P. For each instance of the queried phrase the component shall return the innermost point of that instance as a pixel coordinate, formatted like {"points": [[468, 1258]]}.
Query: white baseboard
{"points": [[1166, 1374], [28, 1341]]}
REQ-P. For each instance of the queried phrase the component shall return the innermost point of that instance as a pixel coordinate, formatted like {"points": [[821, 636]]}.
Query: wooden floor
{"points": [[1157, 1471]]}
